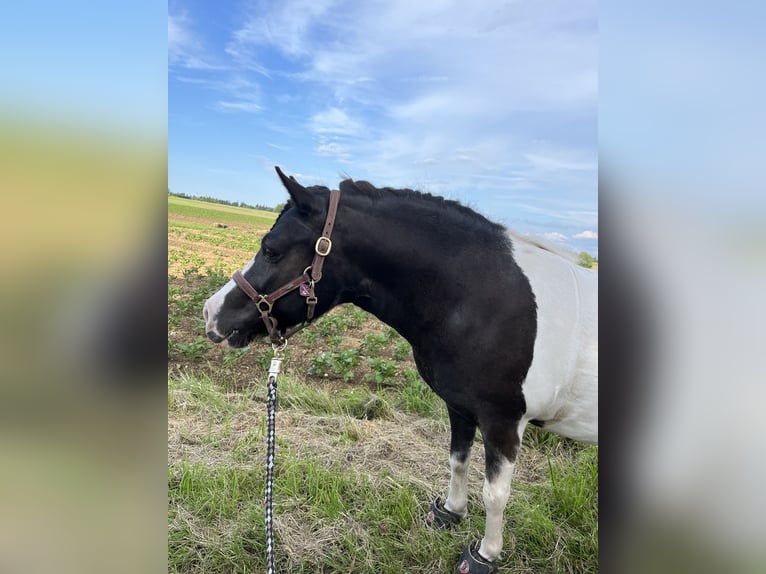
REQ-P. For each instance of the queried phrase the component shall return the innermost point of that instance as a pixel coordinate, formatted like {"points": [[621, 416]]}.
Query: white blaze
{"points": [[213, 305]]}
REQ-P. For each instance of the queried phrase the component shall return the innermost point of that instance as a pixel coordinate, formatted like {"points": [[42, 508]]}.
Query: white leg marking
{"points": [[496, 495], [457, 499]]}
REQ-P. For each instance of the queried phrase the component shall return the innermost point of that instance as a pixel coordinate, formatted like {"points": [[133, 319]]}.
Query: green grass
{"points": [[358, 403], [557, 521], [216, 520], [199, 393], [417, 398], [333, 515]]}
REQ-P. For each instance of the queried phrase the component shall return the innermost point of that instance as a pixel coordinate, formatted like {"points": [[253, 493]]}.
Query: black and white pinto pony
{"points": [[502, 328]]}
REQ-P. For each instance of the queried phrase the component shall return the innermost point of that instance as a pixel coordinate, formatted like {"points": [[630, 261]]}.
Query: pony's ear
{"points": [[304, 200]]}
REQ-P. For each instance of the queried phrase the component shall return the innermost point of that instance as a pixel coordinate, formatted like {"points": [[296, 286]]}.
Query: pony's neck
{"points": [[407, 266]]}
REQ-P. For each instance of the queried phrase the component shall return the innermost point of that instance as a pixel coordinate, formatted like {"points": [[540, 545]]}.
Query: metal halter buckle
{"points": [[264, 301], [318, 245]]}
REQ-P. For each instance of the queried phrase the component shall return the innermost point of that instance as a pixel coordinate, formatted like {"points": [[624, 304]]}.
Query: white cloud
{"points": [[185, 50], [334, 121], [285, 25], [249, 107], [561, 162], [333, 149], [587, 234], [178, 37], [490, 53], [240, 94], [555, 236]]}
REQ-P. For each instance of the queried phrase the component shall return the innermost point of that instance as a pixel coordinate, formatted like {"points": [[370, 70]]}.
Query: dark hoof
{"points": [[441, 517], [471, 562]]}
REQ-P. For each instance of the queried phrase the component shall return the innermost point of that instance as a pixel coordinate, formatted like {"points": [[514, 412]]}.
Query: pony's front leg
{"points": [[463, 431], [496, 492], [500, 448]]}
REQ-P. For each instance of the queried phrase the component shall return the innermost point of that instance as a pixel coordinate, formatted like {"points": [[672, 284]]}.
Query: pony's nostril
{"points": [[215, 337], [204, 313]]}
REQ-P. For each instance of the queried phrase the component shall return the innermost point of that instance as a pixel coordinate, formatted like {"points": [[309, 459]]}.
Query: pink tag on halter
{"points": [[304, 290]]}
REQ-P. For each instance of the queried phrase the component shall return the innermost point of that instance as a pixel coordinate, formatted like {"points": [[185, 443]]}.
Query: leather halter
{"points": [[310, 276]]}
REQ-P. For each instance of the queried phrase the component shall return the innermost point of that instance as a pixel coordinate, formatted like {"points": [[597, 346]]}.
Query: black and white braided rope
{"points": [[271, 415]]}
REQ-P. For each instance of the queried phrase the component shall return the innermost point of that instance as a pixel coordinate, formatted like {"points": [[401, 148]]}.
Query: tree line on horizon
{"points": [[209, 199]]}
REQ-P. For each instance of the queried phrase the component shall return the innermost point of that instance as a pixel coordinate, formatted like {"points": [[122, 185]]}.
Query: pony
{"points": [[503, 328]]}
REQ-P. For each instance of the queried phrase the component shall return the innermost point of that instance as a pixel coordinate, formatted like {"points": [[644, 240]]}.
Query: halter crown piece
{"points": [[306, 281]]}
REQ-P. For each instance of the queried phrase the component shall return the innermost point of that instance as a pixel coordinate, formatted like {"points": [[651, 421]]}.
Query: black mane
{"points": [[463, 216]]}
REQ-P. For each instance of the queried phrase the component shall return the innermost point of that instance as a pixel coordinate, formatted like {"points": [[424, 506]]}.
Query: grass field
{"points": [[362, 443]]}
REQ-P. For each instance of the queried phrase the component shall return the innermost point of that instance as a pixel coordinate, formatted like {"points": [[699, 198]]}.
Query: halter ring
{"points": [[267, 305]]}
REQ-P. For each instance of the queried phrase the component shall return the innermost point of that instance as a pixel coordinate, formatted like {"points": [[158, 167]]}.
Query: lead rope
{"points": [[271, 419]]}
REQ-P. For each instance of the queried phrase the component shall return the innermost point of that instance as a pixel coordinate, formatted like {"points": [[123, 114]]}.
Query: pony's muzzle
{"points": [[215, 337]]}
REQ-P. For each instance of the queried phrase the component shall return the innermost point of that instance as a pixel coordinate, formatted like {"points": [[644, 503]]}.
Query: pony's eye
{"points": [[269, 254]]}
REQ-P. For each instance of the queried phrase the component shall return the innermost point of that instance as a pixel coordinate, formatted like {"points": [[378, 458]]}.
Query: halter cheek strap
{"points": [[310, 276]]}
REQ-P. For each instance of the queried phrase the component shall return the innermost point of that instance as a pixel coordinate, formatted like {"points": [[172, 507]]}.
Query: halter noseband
{"points": [[306, 281]]}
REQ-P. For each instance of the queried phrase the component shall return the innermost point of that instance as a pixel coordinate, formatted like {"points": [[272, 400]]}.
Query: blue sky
{"points": [[493, 103]]}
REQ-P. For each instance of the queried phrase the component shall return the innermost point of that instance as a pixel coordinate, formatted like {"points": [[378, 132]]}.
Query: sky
{"points": [[492, 103]]}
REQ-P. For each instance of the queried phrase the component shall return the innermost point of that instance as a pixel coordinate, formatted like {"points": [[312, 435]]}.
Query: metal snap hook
{"points": [[279, 348]]}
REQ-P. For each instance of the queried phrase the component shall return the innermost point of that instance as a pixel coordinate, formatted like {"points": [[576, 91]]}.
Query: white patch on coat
{"points": [[457, 500], [496, 494], [561, 388], [213, 305]]}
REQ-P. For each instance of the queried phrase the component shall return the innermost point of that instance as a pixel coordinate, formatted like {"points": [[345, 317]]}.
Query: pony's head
{"points": [[287, 251]]}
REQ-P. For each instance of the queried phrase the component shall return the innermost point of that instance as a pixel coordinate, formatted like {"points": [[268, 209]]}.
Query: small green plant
{"points": [[390, 334], [174, 315], [331, 325], [232, 356], [309, 338], [345, 363], [264, 359], [383, 371], [192, 263], [339, 363], [373, 344], [195, 349], [320, 365], [216, 277], [354, 315], [402, 350], [340, 321]]}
